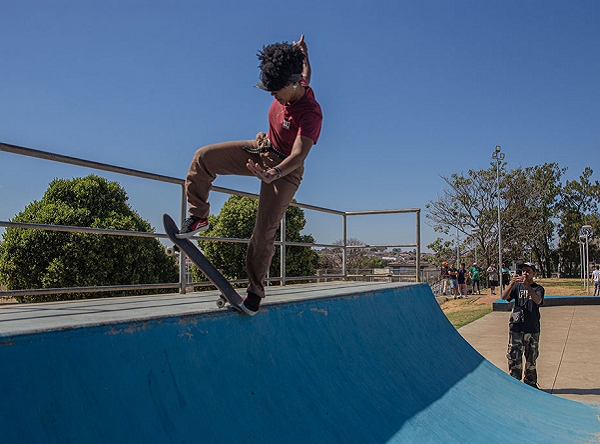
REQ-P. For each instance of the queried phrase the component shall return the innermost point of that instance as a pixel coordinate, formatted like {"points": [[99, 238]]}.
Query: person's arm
{"points": [[508, 289], [535, 297], [300, 150], [306, 69]]}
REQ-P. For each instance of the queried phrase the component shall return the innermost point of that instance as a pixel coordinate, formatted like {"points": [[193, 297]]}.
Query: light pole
{"points": [[456, 220], [499, 157], [586, 232], [581, 253], [474, 231], [457, 249]]}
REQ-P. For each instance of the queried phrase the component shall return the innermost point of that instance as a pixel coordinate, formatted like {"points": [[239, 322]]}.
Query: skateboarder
{"points": [[524, 324], [276, 158]]}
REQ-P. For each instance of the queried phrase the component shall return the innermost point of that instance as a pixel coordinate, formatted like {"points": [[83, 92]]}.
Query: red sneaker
{"points": [[191, 226]]}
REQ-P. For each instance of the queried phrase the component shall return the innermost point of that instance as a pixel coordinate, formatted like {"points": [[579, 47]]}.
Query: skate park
{"points": [[336, 362], [341, 361], [414, 94]]}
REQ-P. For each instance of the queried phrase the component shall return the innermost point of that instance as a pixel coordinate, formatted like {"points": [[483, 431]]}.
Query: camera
{"points": [[519, 270]]}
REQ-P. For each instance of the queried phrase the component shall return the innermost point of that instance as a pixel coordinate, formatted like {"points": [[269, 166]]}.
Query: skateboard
{"points": [[228, 293]]}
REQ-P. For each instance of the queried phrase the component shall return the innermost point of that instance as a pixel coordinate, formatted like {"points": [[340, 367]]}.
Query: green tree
{"points": [[468, 203], [528, 206], [31, 258], [236, 220], [531, 196], [443, 251], [578, 206], [540, 215]]}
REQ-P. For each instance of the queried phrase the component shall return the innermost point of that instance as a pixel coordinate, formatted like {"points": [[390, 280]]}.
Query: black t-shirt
{"points": [[531, 310]]}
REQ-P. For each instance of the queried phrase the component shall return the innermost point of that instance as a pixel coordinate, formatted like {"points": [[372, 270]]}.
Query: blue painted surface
{"points": [[377, 367]]}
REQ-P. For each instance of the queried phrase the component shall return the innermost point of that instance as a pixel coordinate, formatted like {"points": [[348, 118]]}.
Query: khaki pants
{"points": [[231, 158]]}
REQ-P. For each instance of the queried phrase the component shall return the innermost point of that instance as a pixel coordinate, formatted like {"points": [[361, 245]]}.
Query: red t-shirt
{"points": [[286, 122]]}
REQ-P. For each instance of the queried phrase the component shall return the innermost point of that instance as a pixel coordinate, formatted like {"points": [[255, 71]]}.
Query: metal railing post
{"points": [[182, 257], [418, 242], [345, 246], [282, 251]]}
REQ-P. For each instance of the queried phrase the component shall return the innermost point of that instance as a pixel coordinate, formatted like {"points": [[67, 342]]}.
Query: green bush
{"points": [[31, 258], [236, 220]]}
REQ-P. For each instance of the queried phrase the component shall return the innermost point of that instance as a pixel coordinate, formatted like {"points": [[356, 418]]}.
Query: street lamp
{"points": [[499, 157], [585, 233]]}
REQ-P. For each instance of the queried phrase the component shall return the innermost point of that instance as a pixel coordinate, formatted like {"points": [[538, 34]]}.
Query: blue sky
{"points": [[410, 90]]}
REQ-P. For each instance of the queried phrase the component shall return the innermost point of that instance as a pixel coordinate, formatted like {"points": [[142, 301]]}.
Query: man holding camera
{"points": [[524, 324]]}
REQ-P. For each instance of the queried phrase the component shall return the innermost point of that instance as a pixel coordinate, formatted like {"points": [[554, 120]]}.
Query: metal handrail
{"points": [[182, 284]]}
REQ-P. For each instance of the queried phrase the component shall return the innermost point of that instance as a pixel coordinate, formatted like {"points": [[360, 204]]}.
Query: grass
{"points": [[564, 287], [461, 312], [462, 318]]}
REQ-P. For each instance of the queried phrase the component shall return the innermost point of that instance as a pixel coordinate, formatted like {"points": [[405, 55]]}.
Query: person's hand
{"points": [[518, 279], [266, 176], [300, 43]]}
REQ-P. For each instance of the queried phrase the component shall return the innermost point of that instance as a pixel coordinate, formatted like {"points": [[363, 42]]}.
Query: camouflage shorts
{"points": [[520, 344]]}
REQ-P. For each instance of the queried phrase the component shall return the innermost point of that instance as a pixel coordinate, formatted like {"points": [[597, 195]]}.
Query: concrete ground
{"points": [[569, 361]]}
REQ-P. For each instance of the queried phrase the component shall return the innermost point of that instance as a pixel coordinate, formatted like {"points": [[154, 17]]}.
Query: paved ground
{"points": [[569, 362]]}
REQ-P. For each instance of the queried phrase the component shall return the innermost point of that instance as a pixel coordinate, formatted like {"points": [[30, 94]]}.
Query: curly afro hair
{"points": [[278, 63]]}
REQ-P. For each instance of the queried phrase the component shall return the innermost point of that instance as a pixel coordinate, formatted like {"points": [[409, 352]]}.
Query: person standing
{"points": [[453, 273], [524, 324], [444, 276], [461, 277], [276, 158], [596, 277], [492, 274], [505, 274], [475, 273]]}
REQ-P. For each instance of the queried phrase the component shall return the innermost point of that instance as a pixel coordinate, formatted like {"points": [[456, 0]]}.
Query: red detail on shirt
{"points": [[303, 118]]}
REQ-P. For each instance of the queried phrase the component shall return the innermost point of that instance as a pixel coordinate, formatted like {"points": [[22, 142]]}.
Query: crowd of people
{"points": [[456, 281]]}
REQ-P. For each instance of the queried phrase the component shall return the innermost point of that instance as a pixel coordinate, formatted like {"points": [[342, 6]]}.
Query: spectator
{"points": [[453, 280], [492, 274], [444, 276], [475, 274], [524, 324], [596, 277], [505, 275], [461, 277]]}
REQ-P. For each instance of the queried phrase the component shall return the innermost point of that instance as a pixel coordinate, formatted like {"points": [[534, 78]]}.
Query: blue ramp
{"points": [[372, 367]]}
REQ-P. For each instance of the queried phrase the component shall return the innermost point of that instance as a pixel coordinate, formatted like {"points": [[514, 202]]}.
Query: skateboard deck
{"points": [[228, 293]]}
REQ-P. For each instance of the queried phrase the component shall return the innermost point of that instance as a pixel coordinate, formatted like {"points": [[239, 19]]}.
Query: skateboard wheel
{"points": [[221, 302]]}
